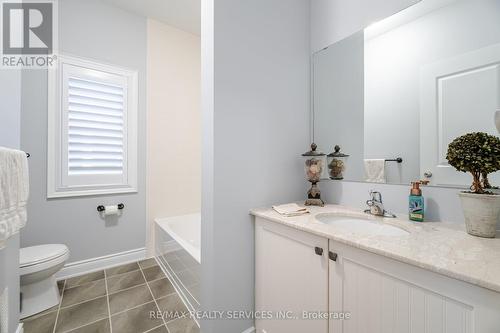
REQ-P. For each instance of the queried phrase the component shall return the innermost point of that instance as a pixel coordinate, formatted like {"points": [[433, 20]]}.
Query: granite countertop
{"points": [[441, 247]]}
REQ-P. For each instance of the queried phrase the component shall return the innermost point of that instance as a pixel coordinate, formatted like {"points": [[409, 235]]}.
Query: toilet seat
{"points": [[35, 258]]}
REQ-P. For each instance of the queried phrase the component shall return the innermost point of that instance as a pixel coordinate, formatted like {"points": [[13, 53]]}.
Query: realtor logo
{"points": [[28, 33], [27, 28]]}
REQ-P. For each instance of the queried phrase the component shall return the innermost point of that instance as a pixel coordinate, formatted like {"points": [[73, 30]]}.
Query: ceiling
{"points": [[182, 14]]}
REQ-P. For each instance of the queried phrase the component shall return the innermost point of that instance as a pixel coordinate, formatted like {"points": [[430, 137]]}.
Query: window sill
{"points": [[83, 193]]}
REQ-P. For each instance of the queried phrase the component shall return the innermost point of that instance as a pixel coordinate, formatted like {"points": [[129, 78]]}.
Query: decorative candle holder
{"points": [[337, 163], [313, 169]]}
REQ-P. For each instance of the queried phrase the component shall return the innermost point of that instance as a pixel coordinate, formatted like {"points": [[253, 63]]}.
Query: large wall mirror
{"points": [[394, 95]]}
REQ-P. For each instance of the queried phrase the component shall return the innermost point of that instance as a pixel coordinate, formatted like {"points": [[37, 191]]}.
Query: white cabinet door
{"points": [[291, 276], [386, 296], [458, 96]]}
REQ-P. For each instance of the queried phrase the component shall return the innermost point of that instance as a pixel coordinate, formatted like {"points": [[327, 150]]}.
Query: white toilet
{"points": [[38, 265]]}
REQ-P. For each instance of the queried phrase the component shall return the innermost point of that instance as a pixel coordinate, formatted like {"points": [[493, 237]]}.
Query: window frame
{"points": [[59, 184]]}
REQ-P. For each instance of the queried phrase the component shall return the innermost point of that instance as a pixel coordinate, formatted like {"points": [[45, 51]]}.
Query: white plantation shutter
{"points": [[95, 122], [96, 116]]}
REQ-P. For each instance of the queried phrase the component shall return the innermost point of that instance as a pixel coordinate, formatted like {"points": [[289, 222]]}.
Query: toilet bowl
{"points": [[38, 265]]}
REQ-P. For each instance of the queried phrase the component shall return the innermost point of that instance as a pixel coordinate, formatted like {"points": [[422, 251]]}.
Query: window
{"points": [[92, 129]]}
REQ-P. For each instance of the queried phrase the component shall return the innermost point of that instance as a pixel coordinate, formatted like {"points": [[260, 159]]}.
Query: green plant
{"points": [[477, 153]]}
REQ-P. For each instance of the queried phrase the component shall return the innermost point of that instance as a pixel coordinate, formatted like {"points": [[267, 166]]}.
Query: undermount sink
{"points": [[360, 225]]}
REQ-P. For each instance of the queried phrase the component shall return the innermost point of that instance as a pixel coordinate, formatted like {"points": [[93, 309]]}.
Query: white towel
{"points": [[375, 170], [291, 210], [14, 192]]}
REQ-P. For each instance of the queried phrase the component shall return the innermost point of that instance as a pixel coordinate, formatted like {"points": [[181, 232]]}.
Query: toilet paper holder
{"points": [[101, 208]]}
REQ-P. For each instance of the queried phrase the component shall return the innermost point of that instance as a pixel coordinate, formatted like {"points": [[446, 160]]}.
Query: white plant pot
{"points": [[481, 213]]}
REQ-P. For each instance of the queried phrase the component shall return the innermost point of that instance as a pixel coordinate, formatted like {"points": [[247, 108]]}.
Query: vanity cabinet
{"points": [[291, 276], [384, 295], [381, 295]]}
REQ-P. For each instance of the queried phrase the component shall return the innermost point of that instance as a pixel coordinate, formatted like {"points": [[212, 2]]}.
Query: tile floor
{"points": [[117, 300]]}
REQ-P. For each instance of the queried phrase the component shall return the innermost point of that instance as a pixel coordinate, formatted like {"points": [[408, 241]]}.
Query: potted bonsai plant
{"points": [[479, 155]]}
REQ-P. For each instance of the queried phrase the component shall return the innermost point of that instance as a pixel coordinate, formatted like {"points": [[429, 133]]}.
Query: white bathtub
{"points": [[177, 249], [186, 231]]}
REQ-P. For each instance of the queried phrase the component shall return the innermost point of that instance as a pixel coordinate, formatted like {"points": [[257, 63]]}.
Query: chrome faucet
{"points": [[377, 206]]}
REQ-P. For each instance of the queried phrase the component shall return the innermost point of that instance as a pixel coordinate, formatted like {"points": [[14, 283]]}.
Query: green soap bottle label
{"points": [[416, 208]]}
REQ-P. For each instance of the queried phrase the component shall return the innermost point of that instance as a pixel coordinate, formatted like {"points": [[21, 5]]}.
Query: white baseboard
{"points": [[94, 264], [20, 328], [249, 330]]}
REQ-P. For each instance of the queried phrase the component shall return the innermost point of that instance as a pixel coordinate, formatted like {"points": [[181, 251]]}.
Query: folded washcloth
{"points": [[291, 210], [375, 170], [14, 192]]}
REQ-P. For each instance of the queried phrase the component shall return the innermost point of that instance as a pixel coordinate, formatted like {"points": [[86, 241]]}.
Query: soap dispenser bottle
{"points": [[416, 203]]}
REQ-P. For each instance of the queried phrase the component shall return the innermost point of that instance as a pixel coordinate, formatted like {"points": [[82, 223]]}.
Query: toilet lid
{"points": [[41, 253]]}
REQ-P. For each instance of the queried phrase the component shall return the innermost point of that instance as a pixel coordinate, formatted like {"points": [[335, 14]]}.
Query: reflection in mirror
{"points": [[405, 87]]}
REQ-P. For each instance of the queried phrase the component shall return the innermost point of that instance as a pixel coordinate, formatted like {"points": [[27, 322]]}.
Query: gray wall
{"points": [[10, 97], [441, 204], [255, 105], [93, 30], [10, 120]]}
